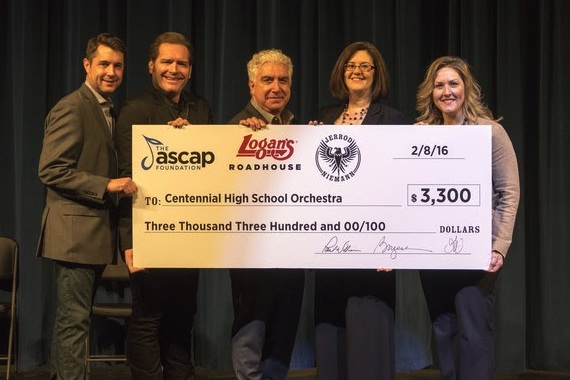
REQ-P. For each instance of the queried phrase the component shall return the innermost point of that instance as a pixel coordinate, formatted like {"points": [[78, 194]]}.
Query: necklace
{"points": [[353, 118]]}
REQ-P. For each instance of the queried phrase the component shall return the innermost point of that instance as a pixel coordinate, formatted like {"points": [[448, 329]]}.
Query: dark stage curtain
{"points": [[515, 47]]}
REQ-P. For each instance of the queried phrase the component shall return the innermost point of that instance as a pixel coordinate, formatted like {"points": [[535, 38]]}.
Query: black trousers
{"points": [[159, 337]]}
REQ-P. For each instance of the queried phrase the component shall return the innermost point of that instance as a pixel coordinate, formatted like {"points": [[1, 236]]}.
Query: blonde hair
{"points": [[268, 56], [473, 106]]}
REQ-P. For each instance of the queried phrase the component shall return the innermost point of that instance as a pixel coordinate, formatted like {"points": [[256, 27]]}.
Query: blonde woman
{"points": [[461, 303]]}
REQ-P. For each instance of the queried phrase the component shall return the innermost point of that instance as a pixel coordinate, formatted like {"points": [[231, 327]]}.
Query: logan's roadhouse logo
{"points": [[161, 157], [264, 148], [338, 157]]}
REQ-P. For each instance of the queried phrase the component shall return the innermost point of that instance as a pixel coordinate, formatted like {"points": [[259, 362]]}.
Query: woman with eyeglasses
{"points": [[354, 308]]}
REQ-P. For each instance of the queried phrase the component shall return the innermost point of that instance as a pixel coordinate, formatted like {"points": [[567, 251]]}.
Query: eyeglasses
{"points": [[363, 66]]}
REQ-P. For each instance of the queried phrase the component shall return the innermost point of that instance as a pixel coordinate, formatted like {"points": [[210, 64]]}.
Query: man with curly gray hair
{"points": [[267, 302], [270, 75]]}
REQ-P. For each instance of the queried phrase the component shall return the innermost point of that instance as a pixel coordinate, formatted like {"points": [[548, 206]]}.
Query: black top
{"points": [[378, 113], [150, 107]]}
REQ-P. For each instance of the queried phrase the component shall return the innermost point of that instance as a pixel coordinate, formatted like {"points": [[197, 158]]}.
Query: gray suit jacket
{"points": [[78, 158]]}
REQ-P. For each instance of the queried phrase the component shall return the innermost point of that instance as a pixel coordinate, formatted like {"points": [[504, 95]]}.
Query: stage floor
{"points": [[121, 372]]}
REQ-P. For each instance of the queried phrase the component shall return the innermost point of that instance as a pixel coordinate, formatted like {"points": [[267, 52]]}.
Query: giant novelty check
{"points": [[223, 196]]}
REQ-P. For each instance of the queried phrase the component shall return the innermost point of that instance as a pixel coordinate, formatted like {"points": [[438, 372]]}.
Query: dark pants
{"points": [[159, 337], [76, 287], [267, 306], [461, 306], [354, 318]]}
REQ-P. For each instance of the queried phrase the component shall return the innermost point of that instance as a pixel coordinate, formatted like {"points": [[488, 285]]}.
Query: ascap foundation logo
{"points": [[161, 157]]}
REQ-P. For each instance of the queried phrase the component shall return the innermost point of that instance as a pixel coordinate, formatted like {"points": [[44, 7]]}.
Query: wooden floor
{"points": [[121, 372]]}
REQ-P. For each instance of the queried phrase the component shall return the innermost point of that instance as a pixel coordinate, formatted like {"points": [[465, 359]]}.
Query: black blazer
{"points": [[378, 113], [149, 107]]}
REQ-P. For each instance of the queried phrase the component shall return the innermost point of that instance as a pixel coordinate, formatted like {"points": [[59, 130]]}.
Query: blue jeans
{"points": [[464, 340], [76, 286], [461, 306]]}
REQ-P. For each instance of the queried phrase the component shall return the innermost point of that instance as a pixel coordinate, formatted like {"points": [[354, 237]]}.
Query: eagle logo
{"points": [[338, 159]]}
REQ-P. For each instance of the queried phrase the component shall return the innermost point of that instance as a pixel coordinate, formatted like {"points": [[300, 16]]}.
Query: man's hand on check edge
{"points": [[179, 122], [253, 122]]}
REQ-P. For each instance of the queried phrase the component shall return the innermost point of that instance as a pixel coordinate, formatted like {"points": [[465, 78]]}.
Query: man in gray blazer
{"points": [[78, 165]]}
